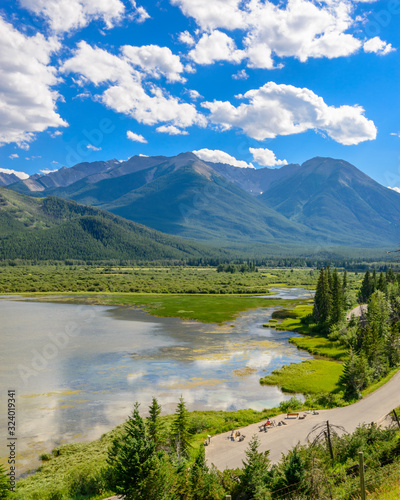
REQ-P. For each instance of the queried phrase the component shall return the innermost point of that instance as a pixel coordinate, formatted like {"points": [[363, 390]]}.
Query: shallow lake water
{"points": [[78, 369]]}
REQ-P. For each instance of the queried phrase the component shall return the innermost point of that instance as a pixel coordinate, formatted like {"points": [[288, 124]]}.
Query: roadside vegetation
{"points": [[163, 457], [368, 346]]}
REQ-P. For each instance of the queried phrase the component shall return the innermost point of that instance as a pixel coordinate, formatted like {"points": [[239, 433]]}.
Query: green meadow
{"points": [[308, 377]]}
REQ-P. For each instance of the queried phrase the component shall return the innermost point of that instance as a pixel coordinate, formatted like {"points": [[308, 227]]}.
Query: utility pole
{"points": [[362, 478], [328, 434]]}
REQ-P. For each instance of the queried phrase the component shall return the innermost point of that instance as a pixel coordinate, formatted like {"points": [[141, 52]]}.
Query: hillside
{"points": [[339, 201], [53, 228]]}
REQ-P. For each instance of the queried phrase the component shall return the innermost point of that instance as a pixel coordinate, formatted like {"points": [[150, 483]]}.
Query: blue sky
{"points": [[265, 82]]}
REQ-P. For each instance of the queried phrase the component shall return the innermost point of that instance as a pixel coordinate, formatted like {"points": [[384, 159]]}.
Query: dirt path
{"points": [[227, 454]]}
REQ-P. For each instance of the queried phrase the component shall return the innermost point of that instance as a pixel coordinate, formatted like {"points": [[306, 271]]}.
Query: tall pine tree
{"points": [[131, 458], [366, 288], [155, 426], [180, 434], [322, 300]]}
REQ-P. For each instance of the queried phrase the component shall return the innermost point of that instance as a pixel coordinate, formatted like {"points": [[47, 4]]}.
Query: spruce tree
{"points": [[131, 458], [374, 281], [365, 290], [180, 434], [322, 300], [344, 283], [155, 426], [294, 470], [355, 376], [256, 469], [330, 278], [382, 284]]}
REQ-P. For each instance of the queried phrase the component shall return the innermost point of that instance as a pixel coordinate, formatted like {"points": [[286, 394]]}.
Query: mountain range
{"points": [[324, 201], [34, 228]]}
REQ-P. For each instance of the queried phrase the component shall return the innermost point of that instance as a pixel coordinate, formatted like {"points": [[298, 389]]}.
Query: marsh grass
{"points": [[308, 377], [321, 346]]}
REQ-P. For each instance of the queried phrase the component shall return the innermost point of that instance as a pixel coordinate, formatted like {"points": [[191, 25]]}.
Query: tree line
{"points": [[372, 337]]}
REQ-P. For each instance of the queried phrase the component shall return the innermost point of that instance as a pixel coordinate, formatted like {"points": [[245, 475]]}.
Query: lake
{"points": [[78, 369]]}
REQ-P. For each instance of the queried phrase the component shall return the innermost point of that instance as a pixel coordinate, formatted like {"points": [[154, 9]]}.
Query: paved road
{"points": [[227, 454]]}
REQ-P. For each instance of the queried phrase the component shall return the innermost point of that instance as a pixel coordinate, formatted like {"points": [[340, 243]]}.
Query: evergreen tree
{"points": [[382, 284], [131, 458], [330, 278], [355, 377], [374, 281], [205, 483], [337, 299], [378, 315], [294, 470], [392, 346], [162, 481], [180, 434], [154, 424], [256, 470], [365, 290], [322, 300], [390, 276], [344, 283]]}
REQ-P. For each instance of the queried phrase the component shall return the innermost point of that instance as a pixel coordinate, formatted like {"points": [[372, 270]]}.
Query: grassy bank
{"points": [[205, 308], [308, 377], [313, 376]]}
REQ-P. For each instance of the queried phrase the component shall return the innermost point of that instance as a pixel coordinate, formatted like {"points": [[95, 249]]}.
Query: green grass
{"points": [[390, 487], [308, 377], [205, 308], [295, 320], [321, 346]]}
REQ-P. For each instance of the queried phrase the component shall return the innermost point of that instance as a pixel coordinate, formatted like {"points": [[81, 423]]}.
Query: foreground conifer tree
{"points": [[180, 434], [131, 458]]}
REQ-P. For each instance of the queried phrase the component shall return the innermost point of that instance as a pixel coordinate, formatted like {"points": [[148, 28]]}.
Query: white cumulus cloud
{"points": [[186, 38], [93, 148], [266, 157], [135, 137], [269, 30], [20, 175], [13, 156], [125, 91], [275, 109], [215, 14], [240, 75], [155, 61], [141, 13], [378, 46], [397, 189], [217, 156], [27, 99], [66, 15], [216, 46]]}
